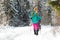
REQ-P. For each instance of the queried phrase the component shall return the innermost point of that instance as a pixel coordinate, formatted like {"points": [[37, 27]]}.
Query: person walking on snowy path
{"points": [[35, 20]]}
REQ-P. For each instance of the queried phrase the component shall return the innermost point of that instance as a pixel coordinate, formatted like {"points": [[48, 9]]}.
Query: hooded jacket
{"points": [[35, 17]]}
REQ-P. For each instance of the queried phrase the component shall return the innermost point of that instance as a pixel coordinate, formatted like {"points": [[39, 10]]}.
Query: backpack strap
{"points": [[33, 14]]}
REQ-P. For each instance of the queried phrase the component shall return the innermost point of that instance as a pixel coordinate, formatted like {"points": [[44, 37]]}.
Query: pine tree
{"points": [[17, 13], [56, 6], [3, 17]]}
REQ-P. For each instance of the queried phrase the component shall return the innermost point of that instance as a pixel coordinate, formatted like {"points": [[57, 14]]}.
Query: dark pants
{"points": [[36, 32]]}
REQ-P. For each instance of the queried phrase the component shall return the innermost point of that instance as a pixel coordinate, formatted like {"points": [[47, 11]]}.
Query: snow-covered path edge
{"points": [[26, 33]]}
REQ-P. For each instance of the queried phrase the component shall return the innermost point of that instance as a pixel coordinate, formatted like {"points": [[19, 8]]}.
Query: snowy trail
{"points": [[26, 33]]}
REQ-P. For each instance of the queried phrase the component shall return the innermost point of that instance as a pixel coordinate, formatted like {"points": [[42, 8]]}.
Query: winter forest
{"points": [[15, 13]]}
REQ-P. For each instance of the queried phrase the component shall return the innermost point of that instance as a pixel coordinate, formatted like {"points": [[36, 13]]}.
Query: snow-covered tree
{"points": [[3, 17], [17, 13], [56, 6]]}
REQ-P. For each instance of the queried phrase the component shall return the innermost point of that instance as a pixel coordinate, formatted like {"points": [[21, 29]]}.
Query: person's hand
{"points": [[31, 18]]}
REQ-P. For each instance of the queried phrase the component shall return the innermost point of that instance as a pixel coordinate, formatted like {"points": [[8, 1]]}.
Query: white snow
{"points": [[26, 33]]}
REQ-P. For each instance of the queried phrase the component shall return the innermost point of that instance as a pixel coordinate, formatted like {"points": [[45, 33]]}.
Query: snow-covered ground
{"points": [[26, 33]]}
